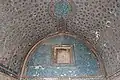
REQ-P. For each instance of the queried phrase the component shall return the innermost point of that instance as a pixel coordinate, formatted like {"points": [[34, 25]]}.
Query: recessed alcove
{"points": [[62, 55], [25, 24]]}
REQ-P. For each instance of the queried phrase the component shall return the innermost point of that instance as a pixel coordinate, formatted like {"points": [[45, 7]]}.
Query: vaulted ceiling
{"points": [[25, 22]]}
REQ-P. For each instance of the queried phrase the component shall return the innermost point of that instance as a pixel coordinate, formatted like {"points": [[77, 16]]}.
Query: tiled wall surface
{"points": [[24, 22], [6, 77], [83, 60], [116, 76], [65, 79]]}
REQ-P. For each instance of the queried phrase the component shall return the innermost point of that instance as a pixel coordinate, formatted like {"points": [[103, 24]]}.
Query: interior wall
{"points": [[24, 22], [6, 77], [116, 76]]}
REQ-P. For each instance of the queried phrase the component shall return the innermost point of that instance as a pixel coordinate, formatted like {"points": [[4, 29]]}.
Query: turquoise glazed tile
{"points": [[40, 64]]}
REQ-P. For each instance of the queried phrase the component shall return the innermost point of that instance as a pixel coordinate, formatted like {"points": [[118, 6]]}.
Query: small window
{"points": [[62, 54]]}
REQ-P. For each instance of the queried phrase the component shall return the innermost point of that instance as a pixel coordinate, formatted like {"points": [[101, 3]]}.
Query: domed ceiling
{"points": [[24, 22]]}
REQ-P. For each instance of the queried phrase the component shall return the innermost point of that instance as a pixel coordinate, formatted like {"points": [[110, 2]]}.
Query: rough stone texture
{"points": [[24, 22]]}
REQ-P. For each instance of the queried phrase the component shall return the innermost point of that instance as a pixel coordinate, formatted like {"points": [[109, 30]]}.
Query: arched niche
{"points": [[63, 55]]}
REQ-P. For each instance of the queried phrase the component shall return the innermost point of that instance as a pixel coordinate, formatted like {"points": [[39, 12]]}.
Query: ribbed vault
{"points": [[24, 22]]}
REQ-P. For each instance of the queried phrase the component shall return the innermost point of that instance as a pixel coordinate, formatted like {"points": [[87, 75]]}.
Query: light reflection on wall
{"points": [[41, 62]]}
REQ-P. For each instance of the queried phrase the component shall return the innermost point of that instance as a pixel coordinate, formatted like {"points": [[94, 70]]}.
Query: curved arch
{"points": [[86, 42]]}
